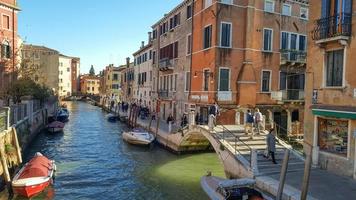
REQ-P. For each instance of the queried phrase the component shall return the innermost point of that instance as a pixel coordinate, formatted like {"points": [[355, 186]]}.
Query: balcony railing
{"points": [[290, 55], [293, 95], [334, 26], [165, 64], [165, 94]]}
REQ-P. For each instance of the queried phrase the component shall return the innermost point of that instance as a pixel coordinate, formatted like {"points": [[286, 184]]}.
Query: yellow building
{"points": [[90, 85], [112, 82]]}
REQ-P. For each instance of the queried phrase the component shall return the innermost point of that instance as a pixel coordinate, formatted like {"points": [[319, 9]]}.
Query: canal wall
{"points": [[19, 125], [172, 138]]}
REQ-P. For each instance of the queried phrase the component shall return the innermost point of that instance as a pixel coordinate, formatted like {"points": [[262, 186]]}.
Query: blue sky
{"points": [[99, 32]]}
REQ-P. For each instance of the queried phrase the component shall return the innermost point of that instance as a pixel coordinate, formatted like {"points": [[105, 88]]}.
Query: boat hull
{"points": [[55, 130], [130, 137], [30, 191]]}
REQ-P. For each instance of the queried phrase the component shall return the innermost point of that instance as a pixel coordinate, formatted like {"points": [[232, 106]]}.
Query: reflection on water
{"points": [[93, 162]]}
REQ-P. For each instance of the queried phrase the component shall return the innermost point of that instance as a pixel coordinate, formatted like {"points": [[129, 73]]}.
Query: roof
{"points": [[143, 49], [15, 7], [36, 47], [174, 10]]}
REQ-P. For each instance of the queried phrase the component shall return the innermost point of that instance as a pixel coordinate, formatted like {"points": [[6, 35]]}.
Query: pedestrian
{"points": [[271, 145], [214, 111], [197, 118], [249, 123], [184, 120], [258, 120], [170, 119]]}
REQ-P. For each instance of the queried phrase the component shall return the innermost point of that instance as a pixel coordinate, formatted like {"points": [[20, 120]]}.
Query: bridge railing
{"points": [[282, 136], [238, 145]]}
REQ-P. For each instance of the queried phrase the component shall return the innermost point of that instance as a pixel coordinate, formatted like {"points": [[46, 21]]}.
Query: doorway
{"points": [[281, 120]]}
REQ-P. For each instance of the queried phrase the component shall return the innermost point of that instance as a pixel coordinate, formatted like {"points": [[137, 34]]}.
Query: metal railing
{"points": [[228, 134], [165, 94], [283, 135], [165, 64], [333, 26], [291, 55], [293, 94]]}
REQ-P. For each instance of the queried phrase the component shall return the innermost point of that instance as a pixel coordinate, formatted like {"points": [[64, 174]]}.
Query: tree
{"points": [[92, 71]]}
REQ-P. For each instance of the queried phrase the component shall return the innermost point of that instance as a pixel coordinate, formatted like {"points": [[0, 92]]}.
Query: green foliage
{"points": [[27, 87], [92, 71], [9, 148]]}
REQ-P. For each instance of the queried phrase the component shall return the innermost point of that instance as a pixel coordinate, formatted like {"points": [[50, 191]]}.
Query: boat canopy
{"points": [[244, 182]]}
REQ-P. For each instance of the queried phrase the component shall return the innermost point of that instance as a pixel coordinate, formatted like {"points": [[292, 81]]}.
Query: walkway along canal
{"points": [[95, 163]]}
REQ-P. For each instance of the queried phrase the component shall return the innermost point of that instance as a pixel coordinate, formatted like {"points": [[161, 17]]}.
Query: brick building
{"points": [[75, 75], [127, 81], [171, 42], [249, 54], [9, 42], [330, 114]]}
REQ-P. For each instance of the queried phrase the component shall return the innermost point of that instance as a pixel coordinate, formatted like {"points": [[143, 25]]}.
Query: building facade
{"points": [[9, 42], [127, 82], [65, 76], [171, 39], [41, 64], [75, 68], [249, 54], [112, 82], [144, 76], [90, 85], [330, 114]]}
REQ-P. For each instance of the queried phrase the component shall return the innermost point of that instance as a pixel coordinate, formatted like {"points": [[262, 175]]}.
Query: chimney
{"points": [[149, 37], [142, 44], [128, 62]]}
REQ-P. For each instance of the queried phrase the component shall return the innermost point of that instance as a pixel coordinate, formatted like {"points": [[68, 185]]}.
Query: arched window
{"points": [[5, 50]]}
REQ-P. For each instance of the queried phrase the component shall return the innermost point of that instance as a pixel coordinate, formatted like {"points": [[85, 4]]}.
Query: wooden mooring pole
{"points": [[283, 175], [17, 145], [307, 168]]}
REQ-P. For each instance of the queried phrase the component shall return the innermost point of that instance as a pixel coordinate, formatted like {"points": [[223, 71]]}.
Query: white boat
{"points": [[138, 137], [222, 189]]}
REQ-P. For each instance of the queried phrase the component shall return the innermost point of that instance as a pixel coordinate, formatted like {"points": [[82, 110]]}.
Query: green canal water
{"points": [[95, 163]]}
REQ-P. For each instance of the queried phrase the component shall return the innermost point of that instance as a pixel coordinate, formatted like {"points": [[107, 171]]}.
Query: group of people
{"points": [[253, 120]]}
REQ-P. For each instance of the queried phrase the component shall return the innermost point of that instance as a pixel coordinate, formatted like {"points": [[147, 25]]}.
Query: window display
{"points": [[333, 136]]}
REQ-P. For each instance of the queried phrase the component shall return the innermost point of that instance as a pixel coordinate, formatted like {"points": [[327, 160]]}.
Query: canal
{"points": [[95, 163]]}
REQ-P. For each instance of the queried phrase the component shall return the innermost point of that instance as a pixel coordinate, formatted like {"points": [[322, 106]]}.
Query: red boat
{"points": [[34, 177]]}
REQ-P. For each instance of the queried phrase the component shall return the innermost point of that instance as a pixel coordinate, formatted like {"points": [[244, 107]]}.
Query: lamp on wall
{"points": [[208, 73]]}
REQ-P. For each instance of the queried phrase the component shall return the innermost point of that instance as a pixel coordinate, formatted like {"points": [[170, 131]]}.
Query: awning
{"points": [[335, 113]]}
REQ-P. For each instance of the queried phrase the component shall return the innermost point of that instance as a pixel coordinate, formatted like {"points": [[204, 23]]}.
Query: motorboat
{"points": [[138, 137], [55, 127], [235, 189], [62, 115], [34, 176], [111, 117]]}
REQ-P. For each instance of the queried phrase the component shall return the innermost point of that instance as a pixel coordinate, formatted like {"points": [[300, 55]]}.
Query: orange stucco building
{"points": [[248, 54], [9, 42], [330, 109]]}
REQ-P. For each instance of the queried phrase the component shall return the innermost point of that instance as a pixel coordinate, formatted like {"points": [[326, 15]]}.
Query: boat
{"points": [[235, 189], [55, 127], [111, 117], [62, 115], [34, 176], [138, 137]]}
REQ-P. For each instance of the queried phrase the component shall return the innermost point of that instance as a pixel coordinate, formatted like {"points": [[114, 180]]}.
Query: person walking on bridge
{"points": [[271, 145]]}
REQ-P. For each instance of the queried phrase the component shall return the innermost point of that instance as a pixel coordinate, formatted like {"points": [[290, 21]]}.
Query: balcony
{"points": [[332, 28], [165, 64], [290, 95], [293, 56], [165, 94]]}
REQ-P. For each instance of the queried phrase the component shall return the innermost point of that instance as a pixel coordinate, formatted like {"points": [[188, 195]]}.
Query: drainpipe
{"points": [[191, 52]]}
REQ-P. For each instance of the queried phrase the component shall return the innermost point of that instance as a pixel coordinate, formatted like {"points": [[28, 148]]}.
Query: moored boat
{"points": [[222, 189], [62, 115], [111, 117], [55, 127], [34, 176], [138, 137]]}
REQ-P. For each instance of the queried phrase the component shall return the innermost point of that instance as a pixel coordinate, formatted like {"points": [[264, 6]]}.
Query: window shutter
{"points": [[325, 8], [347, 6]]}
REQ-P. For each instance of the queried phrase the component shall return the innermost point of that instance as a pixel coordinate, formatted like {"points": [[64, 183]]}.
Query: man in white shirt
{"points": [[258, 120]]}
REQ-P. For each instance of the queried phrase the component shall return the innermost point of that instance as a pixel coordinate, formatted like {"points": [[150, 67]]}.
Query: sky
{"points": [[99, 32]]}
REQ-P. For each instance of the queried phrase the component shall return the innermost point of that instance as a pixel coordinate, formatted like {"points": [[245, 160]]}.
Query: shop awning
{"points": [[344, 112]]}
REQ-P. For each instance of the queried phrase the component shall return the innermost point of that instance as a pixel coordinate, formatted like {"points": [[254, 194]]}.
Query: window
{"points": [[282, 81], [154, 34], [333, 136], [267, 39], [225, 34], [207, 3], [116, 77], [206, 80], [207, 36], [189, 44], [5, 50], [171, 82], [189, 11], [287, 10], [5, 21], [187, 81], [269, 5], [285, 41], [175, 82], [266, 81], [226, 2], [302, 42], [224, 79], [68, 69], [304, 13], [334, 68]]}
